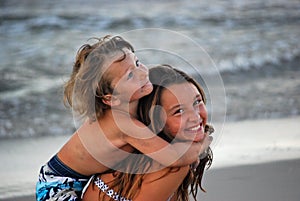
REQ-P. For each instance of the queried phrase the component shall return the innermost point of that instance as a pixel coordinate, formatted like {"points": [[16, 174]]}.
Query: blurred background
{"points": [[254, 44]]}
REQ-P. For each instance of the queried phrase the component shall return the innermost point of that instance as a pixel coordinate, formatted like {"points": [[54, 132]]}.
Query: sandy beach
{"points": [[265, 168], [254, 45], [275, 181]]}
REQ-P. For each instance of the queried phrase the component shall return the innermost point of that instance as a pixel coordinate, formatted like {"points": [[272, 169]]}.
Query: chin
{"points": [[199, 137]]}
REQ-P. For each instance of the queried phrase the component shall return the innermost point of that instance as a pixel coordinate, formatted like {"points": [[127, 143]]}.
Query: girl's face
{"points": [[185, 113], [130, 78]]}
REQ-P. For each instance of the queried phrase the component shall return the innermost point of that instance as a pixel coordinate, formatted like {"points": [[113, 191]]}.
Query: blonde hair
{"points": [[161, 76], [88, 82]]}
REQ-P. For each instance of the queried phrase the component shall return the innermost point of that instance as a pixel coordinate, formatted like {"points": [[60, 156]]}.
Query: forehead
{"points": [[179, 93]]}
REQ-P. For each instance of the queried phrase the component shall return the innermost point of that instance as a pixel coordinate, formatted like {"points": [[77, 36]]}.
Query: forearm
{"points": [[193, 152], [187, 156], [177, 154]]}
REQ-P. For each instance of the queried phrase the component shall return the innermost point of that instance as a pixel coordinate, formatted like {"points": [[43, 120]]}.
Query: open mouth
{"points": [[195, 133], [195, 128]]}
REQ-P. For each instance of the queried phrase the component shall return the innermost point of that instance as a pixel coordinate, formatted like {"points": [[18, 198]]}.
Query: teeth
{"points": [[195, 128]]}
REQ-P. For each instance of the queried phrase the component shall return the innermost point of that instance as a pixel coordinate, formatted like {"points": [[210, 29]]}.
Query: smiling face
{"points": [[130, 78], [185, 113]]}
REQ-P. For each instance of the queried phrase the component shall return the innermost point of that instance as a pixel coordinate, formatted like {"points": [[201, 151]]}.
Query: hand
{"points": [[205, 145], [208, 130]]}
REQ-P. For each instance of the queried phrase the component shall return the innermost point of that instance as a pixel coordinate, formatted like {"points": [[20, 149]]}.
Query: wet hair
{"points": [[161, 77], [89, 80]]}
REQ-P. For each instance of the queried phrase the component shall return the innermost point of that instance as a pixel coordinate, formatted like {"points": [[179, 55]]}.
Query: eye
{"points": [[130, 75], [197, 102], [179, 111], [137, 63]]}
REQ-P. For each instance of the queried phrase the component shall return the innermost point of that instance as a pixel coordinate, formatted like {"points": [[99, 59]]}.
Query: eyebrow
{"points": [[128, 67], [174, 108], [134, 58], [199, 96], [121, 58], [180, 105]]}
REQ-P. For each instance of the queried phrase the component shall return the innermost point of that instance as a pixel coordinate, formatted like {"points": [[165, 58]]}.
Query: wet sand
{"points": [[264, 166], [275, 181]]}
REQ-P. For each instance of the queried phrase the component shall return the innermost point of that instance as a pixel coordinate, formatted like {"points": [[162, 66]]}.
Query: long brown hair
{"points": [[162, 77], [128, 184], [88, 83]]}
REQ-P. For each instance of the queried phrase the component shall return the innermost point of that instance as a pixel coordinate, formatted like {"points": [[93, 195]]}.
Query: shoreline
{"points": [[273, 181], [256, 141], [248, 142]]}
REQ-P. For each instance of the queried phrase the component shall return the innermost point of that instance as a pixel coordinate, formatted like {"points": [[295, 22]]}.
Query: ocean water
{"points": [[39, 40], [254, 46]]}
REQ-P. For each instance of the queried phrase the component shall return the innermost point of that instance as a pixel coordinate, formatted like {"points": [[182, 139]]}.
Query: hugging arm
{"points": [[167, 154]]}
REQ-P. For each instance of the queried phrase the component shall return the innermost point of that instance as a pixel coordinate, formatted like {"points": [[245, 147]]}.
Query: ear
{"points": [[111, 100]]}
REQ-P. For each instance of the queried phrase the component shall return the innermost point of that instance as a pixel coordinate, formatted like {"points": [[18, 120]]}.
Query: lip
{"points": [[148, 84], [195, 128], [196, 132]]}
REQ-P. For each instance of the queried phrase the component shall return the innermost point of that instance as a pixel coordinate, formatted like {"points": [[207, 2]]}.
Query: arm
{"points": [[143, 139]]}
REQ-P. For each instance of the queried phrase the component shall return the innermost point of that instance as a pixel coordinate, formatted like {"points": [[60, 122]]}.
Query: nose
{"points": [[194, 116], [142, 72]]}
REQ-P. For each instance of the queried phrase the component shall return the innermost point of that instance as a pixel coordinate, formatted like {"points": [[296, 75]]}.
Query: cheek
{"points": [[172, 127], [203, 112]]}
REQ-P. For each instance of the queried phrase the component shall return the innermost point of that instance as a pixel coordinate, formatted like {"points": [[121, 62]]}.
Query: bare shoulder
{"points": [[153, 182]]}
